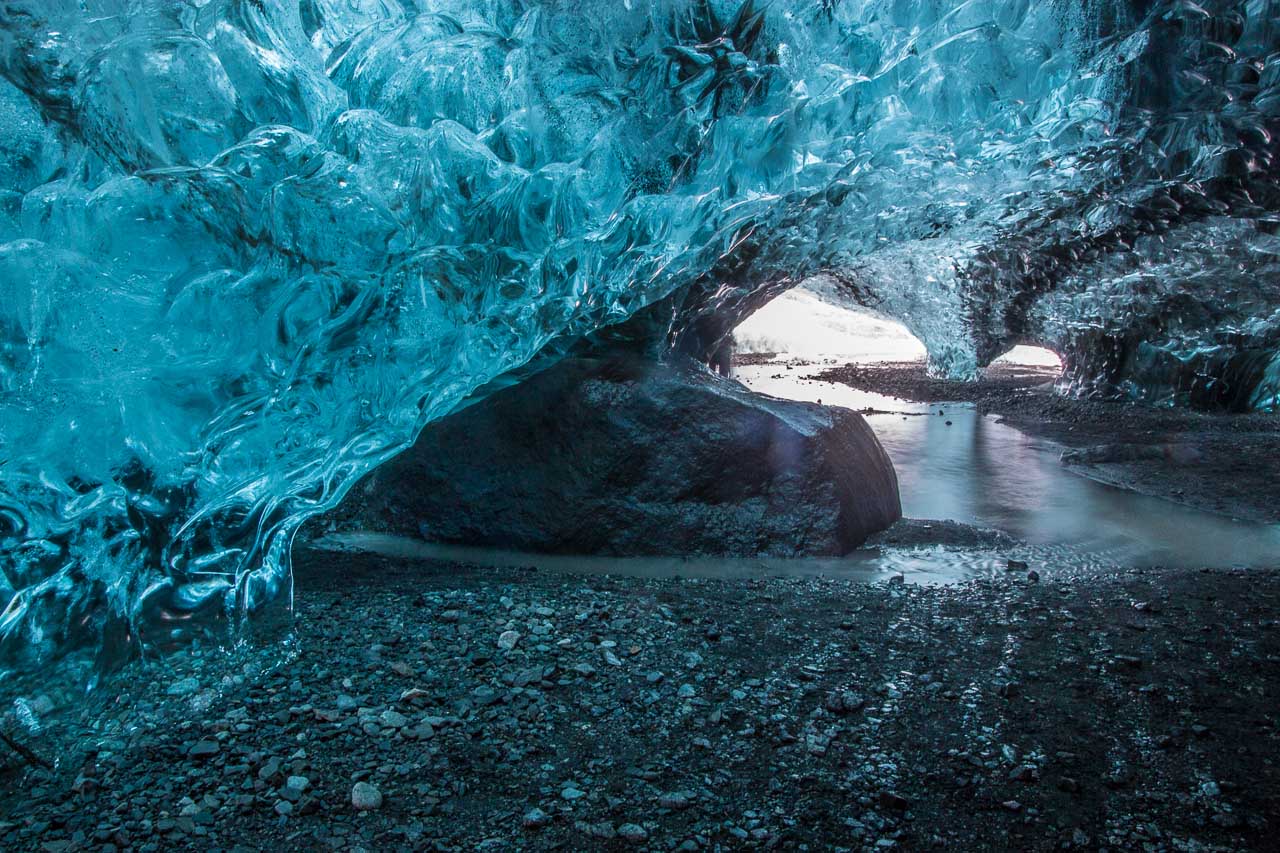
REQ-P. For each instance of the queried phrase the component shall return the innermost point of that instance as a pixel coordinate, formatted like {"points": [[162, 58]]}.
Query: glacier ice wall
{"points": [[248, 248]]}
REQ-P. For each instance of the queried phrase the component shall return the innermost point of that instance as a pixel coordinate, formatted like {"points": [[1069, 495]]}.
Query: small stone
{"points": [[1012, 805], [1025, 773], [535, 818], [633, 833], [393, 719], [1033, 576], [894, 801], [507, 640], [297, 783], [365, 797], [284, 807], [687, 691], [603, 829], [204, 749], [843, 702], [183, 687], [571, 793], [1016, 566], [611, 659], [269, 769], [676, 800]]}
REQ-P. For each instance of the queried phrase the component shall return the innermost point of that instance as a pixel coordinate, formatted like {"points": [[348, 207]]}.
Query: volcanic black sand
{"points": [[523, 710], [1228, 464]]}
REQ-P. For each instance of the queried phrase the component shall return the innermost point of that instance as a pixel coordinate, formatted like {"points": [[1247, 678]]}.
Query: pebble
{"points": [[633, 832], [365, 797], [393, 719], [676, 800], [843, 702], [183, 687], [507, 640], [204, 749]]}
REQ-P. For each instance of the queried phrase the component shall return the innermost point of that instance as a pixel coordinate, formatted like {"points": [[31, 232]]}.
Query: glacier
{"points": [[249, 248]]}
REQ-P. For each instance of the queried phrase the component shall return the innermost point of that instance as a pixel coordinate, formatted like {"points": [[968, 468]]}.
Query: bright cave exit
{"points": [[800, 325], [956, 464]]}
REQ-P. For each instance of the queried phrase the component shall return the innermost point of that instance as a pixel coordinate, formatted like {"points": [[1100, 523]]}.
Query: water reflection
{"points": [[955, 464]]}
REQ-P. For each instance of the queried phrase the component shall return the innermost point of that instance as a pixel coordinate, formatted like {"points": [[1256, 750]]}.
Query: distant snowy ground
{"points": [[799, 324]]}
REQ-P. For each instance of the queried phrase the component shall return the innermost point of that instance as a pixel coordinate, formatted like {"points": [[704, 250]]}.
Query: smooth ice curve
{"points": [[248, 248]]}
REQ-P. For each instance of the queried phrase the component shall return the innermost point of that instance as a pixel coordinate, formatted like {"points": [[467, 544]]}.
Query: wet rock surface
{"points": [[1223, 463], [626, 456], [1133, 711]]}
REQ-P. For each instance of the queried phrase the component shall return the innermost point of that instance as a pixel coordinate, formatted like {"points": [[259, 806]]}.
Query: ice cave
{"points": [[766, 423]]}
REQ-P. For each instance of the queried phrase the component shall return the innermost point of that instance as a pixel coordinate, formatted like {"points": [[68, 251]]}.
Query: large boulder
{"points": [[626, 456]]}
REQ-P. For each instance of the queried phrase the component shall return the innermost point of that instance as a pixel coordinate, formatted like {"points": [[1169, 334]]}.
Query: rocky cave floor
{"points": [[467, 708], [1226, 464], [518, 709]]}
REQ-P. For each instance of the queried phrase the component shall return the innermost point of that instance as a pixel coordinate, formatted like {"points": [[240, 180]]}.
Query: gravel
{"points": [[1126, 711]]}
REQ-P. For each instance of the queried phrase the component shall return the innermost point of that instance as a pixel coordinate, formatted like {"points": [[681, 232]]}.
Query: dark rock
{"points": [[204, 749], [894, 801], [843, 702], [1025, 773], [626, 456]]}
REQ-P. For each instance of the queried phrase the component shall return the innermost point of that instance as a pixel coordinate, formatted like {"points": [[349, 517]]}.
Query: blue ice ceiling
{"points": [[248, 248]]}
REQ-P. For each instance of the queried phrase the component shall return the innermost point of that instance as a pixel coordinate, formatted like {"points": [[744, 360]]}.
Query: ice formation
{"points": [[249, 247]]}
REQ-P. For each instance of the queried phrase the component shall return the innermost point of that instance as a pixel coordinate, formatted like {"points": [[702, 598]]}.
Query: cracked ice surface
{"points": [[249, 247]]}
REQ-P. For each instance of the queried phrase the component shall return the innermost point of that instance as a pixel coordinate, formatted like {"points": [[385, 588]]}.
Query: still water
{"points": [[978, 471]]}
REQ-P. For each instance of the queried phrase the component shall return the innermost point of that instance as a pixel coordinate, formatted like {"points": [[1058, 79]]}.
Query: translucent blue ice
{"points": [[248, 248]]}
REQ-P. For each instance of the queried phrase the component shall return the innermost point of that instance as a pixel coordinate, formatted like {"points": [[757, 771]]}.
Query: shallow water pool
{"points": [[968, 467]]}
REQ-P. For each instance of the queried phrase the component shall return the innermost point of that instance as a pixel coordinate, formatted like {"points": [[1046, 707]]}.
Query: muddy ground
{"points": [[1228, 464], [509, 709]]}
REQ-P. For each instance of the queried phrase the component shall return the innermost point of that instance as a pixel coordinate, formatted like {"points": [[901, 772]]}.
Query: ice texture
{"points": [[248, 248]]}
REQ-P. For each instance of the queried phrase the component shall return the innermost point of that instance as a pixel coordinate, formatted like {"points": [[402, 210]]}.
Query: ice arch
{"points": [[249, 247]]}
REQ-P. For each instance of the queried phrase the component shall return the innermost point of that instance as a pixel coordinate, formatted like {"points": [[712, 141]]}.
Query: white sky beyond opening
{"points": [[800, 325]]}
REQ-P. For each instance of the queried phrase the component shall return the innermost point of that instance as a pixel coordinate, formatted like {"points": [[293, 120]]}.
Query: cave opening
{"points": [[802, 324]]}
